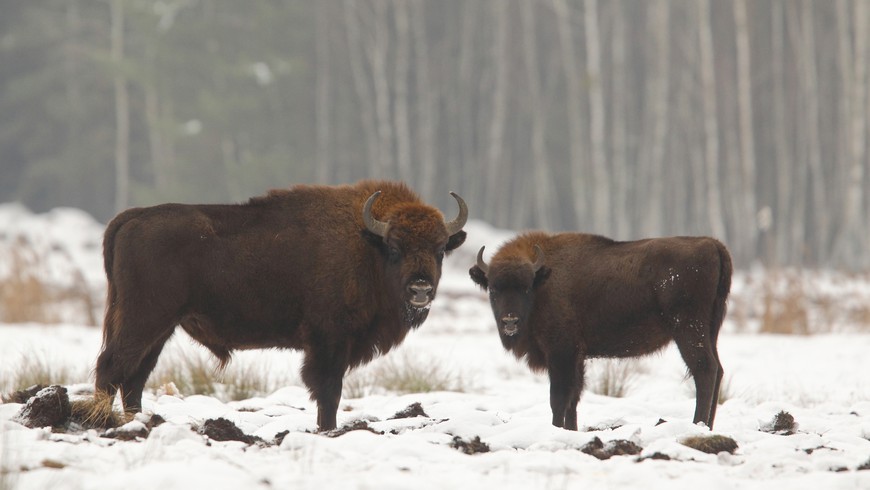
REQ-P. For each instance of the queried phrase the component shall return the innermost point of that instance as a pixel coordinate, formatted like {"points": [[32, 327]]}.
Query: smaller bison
{"points": [[559, 299]]}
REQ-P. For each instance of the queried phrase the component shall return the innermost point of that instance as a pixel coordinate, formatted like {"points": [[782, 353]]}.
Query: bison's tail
{"points": [[111, 318], [722, 290]]}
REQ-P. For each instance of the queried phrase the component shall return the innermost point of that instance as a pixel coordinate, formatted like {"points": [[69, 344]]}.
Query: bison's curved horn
{"points": [[454, 226], [480, 263], [375, 226], [539, 258]]}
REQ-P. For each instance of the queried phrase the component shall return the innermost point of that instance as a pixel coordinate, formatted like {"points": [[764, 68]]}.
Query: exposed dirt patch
{"points": [[473, 446], [48, 407], [413, 410], [619, 447], [21, 396], [783, 424], [713, 444], [221, 429], [355, 425]]}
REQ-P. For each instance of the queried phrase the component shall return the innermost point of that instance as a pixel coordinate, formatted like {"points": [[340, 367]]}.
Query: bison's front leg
{"points": [[564, 390], [322, 374]]}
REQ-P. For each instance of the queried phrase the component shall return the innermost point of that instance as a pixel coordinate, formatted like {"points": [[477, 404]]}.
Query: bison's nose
{"points": [[509, 325], [420, 293]]}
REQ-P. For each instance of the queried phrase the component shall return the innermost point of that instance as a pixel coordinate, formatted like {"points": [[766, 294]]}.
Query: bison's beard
{"points": [[415, 316]]}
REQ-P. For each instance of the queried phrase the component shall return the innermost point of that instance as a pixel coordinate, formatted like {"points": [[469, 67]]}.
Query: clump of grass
{"points": [[26, 297], [785, 305], [192, 374], [783, 424], [613, 377], [96, 412], [406, 374], [23, 295], [711, 444], [34, 370]]}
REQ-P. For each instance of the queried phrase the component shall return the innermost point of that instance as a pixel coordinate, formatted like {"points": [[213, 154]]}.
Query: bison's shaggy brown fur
{"points": [[561, 298], [342, 273]]}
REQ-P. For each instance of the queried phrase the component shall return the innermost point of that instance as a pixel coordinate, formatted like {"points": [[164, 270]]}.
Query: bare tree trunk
{"points": [[322, 94], [711, 127], [848, 245], [800, 184], [543, 190], [656, 122], [819, 231], [361, 84], [400, 84], [602, 186], [377, 54], [427, 109], [784, 244], [573, 84], [621, 224], [495, 152], [747, 220], [122, 109]]}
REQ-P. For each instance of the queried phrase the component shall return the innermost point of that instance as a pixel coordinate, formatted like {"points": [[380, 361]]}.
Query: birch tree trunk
{"points": [[621, 222], [848, 247], [361, 84], [601, 211], [543, 191], [495, 190], [400, 84], [656, 121], [322, 101], [711, 126], [819, 231], [747, 220], [427, 110], [122, 109], [377, 55], [579, 178]]}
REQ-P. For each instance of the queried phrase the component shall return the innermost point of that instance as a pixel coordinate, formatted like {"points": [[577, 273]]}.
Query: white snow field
{"points": [[819, 379]]}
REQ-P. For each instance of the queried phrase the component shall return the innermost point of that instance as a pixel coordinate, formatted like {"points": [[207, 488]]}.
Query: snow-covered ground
{"points": [[821, 380]]}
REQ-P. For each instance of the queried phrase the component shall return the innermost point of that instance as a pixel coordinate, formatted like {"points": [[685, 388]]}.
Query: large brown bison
{"points": [[559, 299], [341, 273]]}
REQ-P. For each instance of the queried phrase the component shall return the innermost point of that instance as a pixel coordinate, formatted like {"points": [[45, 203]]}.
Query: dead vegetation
{"points": [[711, 444], [402, 375], [26, 295], [800, 302]]}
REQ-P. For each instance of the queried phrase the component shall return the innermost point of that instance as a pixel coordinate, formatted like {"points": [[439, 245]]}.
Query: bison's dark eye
{"points": [[394, 253]]}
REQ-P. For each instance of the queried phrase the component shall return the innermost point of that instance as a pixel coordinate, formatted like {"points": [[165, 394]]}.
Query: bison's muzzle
{"points": [[509, 325], [421, 293]]}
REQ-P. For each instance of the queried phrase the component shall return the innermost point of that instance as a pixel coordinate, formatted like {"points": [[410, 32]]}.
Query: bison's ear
{"points": [[542, 275], [456, 240], [478, 276]]}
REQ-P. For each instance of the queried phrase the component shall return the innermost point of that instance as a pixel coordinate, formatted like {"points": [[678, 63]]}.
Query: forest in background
{"points": [[745, 120]]}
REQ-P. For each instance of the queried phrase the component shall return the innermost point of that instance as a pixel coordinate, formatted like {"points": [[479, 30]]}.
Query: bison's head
{"points": [[511, 282], [414, 239]]}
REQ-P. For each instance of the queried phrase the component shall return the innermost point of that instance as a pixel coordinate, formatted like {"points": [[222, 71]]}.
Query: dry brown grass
{"points": [[96, 412], [800, 302], [404, 374], [26, 297], [785, 305], [37, 369], [193, 374], [613, 377]]}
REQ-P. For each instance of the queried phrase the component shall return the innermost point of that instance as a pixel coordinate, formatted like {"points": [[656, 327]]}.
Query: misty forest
{"points": [[744, 120]]}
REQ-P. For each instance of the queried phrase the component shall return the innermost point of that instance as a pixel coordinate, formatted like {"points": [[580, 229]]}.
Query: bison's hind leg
{"points": [[698, 350], [129, 355]]}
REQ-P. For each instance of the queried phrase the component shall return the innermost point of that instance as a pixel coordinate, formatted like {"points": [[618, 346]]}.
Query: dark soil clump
{"points": [[49, 407], [355, 425], [782, 424], [414, 410], [473, 446], [713, 444], [221, 429], [22, 396], [619, 447]]}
